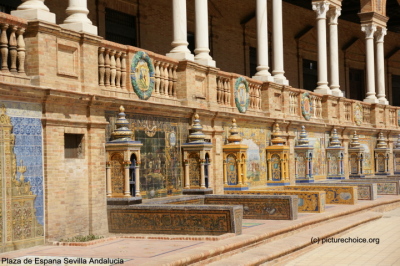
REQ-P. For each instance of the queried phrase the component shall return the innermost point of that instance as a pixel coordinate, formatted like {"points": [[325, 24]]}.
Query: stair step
{"points": [[278, 248]]}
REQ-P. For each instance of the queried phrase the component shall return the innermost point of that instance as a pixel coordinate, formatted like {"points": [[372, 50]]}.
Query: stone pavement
{"points": [[387, 252], [178, 249]]}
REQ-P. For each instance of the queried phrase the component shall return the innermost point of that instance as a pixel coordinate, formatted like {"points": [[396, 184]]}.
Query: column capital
{"points": [[333, 15], [380, 34], [369, 30], [321, 8]]}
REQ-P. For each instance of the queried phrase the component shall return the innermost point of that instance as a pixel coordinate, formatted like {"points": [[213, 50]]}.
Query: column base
{"points": [[281, 80], [35, 14], [371, 100], [181, 56], [337, 93], [264, 78], [80, 27], [205, 62], [323, 90], [383, 101]]}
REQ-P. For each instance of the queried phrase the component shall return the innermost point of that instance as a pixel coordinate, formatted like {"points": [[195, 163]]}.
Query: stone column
{"points": [[277, 42], [34, 10], [380, 65], [321, 8], [127, 192], [187, 180], [180, 50], [202, 177], [202, 50], [333, 15], [77, 19], [369, 30], [137, 181], [262, 43]]}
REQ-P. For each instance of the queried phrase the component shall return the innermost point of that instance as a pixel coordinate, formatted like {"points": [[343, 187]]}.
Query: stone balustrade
{"points": [[255, 94], [224, 88], [12, 47], [177, 83], [114, 71]]}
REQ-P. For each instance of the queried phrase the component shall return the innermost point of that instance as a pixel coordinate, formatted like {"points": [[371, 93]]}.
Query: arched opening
{"points": [[206, 170], [132, 174]]}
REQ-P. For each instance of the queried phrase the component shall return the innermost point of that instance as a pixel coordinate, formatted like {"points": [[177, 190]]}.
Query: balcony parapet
{"points": [[12, 49], [114, 73]]}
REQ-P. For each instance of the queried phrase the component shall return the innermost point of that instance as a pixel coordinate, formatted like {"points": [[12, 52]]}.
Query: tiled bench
{"points": [[366, 191], [385, 186], [175, 219], [309, 201]]}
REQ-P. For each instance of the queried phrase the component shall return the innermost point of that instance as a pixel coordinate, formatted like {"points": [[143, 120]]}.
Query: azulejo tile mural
{"points": [[161, 154], [21, 172], [257, 139]]}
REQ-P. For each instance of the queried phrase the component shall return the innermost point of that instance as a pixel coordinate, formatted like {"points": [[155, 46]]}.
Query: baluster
{"points": [[13, 49], [101, 66], [170, 81], [21, 50], [175, 79], [218, 90], [157, 77], [123, 71], [107, 68], [162, 78], [251, 95], [225, 91], [118, 70], [259, 97], [4, 48], [166, 80], [228, 90], [113, 69]]}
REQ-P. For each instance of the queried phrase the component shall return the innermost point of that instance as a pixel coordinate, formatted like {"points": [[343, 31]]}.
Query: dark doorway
{"points": [[206, 169], [132, 175], [356, 84], [310, 74], [395, 90]]}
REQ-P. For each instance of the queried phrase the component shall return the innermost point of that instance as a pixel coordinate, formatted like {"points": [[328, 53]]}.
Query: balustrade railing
{"points": [[366, 113], [347, 111], [255, 95], [114, 66], [12, 44], [294, 102], [317, 104], [393, 116], [224, 88]]}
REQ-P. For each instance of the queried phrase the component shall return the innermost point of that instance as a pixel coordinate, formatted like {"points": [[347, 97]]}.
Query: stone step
{"points": [[287, 245]]}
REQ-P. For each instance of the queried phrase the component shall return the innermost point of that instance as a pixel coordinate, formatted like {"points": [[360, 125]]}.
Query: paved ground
{"points": [[157, 251], [387, 252]]}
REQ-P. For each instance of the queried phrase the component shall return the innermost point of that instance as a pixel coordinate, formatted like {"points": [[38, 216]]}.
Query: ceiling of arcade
{"points": [[351, 8]]}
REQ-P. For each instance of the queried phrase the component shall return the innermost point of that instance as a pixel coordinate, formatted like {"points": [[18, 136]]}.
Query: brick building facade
{"points": [[65, 72]]}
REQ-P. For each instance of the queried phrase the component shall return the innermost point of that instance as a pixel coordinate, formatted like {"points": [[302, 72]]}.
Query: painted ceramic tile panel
{"points": [[369, 143], [21, 174], [161, 154], [256, 138], [319, 141]]}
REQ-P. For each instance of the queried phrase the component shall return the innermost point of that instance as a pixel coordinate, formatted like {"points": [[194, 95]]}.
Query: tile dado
{"points": [[21, 172]]}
